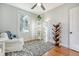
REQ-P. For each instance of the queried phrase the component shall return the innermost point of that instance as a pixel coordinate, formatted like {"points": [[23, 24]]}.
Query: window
{"points": [[24, 24]]}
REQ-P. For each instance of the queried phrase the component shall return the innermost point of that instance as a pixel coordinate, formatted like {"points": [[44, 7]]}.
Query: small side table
{"points": [[2, 47]]}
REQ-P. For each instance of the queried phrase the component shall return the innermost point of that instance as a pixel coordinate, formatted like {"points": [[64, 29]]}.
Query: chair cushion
{"points": [[4, 35]]}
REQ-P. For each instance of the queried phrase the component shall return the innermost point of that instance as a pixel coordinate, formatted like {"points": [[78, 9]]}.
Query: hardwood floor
{"points": [[61, 51]]}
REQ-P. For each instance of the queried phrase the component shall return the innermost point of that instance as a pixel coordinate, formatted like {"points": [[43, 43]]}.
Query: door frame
{"points": [[69, 26]]}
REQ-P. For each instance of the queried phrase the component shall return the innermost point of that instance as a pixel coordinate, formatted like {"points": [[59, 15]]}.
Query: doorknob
{"points": [[70, 32]]}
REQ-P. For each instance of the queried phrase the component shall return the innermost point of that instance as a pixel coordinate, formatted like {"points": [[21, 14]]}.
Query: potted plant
{"points": [[39, 17]]}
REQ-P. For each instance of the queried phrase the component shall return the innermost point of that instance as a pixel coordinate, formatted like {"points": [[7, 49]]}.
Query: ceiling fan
{"points": [[40, 4]]}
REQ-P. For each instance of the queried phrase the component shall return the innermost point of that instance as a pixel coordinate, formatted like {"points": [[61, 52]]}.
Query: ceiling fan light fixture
{"points": [[40, 5]]}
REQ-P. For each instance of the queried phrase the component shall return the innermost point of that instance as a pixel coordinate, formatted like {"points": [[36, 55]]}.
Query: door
{"points": [[74, 28]]}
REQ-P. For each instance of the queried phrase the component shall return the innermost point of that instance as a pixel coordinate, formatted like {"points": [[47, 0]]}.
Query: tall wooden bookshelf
{"points": [[57, 33]]}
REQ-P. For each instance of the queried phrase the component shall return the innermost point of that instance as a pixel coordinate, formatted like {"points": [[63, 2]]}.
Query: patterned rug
{"points": [[33, 48]]}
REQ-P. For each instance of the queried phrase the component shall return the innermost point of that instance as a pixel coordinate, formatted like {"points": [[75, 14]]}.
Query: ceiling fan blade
{"points": [[34, 6], [42, 6]]}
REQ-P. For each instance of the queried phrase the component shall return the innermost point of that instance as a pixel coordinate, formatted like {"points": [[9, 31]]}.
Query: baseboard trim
{"points": [[70, 48], [32, 40]]}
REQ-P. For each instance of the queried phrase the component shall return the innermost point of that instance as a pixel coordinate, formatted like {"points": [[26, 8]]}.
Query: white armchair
{"points": [[11, 45], [14, 45]]}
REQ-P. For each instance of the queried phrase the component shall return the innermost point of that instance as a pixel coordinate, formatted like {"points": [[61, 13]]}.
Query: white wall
{"points": [[10, 20], [59, 14]]}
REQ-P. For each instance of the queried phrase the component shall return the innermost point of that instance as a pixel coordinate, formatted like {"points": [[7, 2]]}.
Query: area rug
{"points": [[33, 48]]}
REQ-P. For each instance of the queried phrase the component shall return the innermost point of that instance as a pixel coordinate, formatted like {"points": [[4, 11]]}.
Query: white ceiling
{"points": [[37, 9]]}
